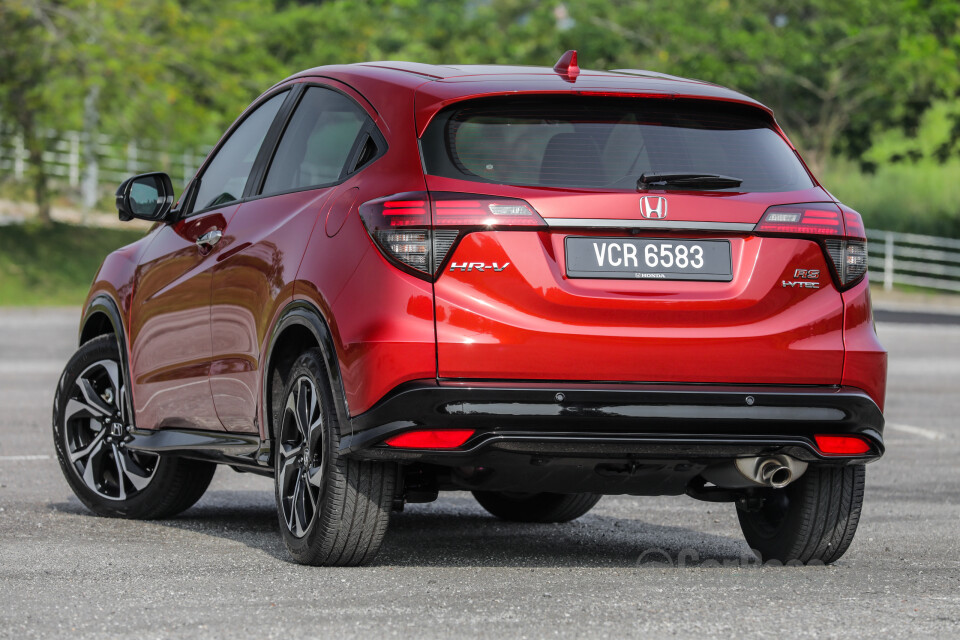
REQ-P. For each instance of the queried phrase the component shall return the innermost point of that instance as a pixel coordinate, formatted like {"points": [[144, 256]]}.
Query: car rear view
{"points": [[633, 281], [640, 293], [539, 285]]}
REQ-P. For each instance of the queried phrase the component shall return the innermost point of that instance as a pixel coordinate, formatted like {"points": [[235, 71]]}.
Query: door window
{"points": [[226, 175], [317, 143]]}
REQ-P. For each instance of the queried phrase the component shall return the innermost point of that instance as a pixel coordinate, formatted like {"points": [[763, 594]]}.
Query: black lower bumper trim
{"points": [[633, 419]]}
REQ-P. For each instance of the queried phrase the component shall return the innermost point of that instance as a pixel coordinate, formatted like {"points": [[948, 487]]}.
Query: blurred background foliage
{"points": [[868, 90]]}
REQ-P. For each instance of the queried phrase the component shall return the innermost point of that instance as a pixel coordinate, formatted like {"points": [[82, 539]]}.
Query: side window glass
{"points": [[226, 175], [317, 143]]}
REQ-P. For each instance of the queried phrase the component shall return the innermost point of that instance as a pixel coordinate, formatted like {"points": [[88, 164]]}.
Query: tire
{"points": [[536, 507], [811, 520], [91, 420], [333, 511]]}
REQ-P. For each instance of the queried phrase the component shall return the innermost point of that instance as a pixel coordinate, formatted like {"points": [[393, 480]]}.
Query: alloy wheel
{"points": [[301, 456], [96, 431]]}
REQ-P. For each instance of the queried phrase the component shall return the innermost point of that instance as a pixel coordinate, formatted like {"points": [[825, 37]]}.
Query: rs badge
{"points": [[807, 281]]}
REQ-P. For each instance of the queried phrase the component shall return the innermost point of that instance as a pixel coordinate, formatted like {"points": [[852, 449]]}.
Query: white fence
{"points": [[912, 259], [98, 164]]}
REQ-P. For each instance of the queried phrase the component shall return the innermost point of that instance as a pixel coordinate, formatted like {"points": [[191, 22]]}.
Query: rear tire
{"points": [[536, 507], [813, 519], [333, 510], [91, 417]]}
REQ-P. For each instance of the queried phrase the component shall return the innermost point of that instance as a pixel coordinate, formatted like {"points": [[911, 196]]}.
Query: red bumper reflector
{"points": [[431, 439], [841, 445]]}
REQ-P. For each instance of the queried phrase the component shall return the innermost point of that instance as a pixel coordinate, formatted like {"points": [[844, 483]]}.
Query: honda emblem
{"points": [[653, 207]]}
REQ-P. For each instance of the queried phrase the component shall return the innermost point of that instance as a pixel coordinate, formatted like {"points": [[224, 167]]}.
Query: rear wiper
{"points": [[694, 180]]}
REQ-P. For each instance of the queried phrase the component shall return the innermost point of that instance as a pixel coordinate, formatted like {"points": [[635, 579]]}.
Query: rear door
{"points": [[663, 284]]}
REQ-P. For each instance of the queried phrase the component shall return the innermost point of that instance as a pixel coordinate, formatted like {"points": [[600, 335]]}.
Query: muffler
{"points": [[775, 472]]}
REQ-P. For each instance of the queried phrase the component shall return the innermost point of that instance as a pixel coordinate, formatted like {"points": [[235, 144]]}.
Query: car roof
{"points": [[415, 74], [438, 86]]}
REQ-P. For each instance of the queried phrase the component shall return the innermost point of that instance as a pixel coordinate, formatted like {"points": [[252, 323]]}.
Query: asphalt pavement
{"points": [[649, 567]]}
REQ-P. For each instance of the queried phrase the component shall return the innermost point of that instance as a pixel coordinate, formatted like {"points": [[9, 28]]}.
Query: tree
{"points": [[181, 70], [156, 69], [833, 72], [27, 52]]}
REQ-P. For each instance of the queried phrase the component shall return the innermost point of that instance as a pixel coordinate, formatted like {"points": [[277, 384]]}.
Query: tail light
{"points": [[838, 229], [400, 226], [416, 231]]}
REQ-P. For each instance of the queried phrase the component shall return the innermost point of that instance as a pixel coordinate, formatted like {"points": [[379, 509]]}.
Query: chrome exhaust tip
{"points": [[775, 472], [772, 473]]}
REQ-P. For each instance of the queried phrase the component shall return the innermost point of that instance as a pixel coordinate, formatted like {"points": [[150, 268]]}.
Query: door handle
{"points": [[209, 239]]}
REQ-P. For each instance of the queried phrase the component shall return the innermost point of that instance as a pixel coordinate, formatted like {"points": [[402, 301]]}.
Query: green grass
{"points": [[53, 265]]}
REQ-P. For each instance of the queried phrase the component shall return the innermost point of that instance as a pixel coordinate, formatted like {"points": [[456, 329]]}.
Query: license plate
{"points": [[648, 258]]}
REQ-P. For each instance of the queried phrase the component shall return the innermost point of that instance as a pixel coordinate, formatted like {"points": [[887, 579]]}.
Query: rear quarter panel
{"points": [[865, 359], [381, 319]]}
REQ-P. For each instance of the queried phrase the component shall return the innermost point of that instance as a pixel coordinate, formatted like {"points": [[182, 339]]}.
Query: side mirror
{"points": [[148, 196]]}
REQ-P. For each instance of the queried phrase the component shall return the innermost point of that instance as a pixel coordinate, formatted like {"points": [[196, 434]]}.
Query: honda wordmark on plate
{"points": [[540, 285]]}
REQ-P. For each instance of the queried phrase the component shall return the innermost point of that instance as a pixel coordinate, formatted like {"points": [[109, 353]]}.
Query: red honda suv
{"points": [[539, 285]]}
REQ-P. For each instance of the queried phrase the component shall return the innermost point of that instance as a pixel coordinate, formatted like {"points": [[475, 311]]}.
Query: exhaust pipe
{"points": [[771, 472], [775, 472]]}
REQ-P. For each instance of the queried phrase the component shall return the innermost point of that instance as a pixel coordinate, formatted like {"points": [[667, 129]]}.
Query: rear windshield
{"points": [[607, 143]]}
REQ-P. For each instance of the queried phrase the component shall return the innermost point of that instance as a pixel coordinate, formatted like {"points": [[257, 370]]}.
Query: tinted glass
{"points": [[603, 143], [317, 143], [226, 176]]}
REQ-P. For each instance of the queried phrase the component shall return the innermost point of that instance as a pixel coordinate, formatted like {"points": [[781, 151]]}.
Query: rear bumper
{"points": [[679, 422]]}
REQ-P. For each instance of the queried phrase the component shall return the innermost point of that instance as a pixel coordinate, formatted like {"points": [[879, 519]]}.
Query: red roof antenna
{"points": [[567, 66]]}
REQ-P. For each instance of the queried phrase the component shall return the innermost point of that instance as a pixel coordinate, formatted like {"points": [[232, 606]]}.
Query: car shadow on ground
{"points": [[455, 531]]}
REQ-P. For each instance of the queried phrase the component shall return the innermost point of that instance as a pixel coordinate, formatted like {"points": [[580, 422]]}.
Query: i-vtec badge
{"points": [[477, 266], [810, 274]]}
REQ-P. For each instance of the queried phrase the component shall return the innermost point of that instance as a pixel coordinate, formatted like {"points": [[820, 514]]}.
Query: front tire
{"points": [[333, 510], [813, 519], [536, 507], [91, 421]]}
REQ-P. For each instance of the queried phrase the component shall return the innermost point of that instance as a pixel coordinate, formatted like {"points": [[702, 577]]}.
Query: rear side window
{"points": [[317, 143], [607, 143]]}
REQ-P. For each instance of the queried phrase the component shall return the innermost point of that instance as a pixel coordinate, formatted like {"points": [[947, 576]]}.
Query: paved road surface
{"points": [[447, 569]]}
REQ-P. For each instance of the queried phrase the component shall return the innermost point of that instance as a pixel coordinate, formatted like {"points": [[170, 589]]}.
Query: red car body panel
{"points": [[536, 324], [170, 347], [386, 343], [540, 325], [199, 326], [389, 336], [865, 359]]}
